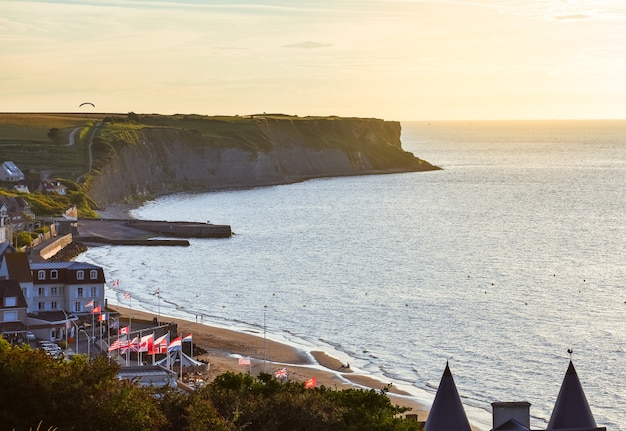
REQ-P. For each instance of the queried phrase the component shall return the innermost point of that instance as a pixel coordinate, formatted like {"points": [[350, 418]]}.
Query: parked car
{"points": [[30, 336]]}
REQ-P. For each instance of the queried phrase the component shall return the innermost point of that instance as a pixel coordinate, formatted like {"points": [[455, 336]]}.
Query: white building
{"points": [[68, 286]]}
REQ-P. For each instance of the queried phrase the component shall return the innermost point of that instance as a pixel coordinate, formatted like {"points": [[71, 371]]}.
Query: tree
{"points": [[55, 135]]}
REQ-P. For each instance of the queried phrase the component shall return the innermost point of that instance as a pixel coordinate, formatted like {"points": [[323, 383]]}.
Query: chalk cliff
{"points": [[202, 153]]}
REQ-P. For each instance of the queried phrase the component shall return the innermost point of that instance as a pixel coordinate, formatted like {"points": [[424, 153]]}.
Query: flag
{"points": [[89, 304], [116, 283], [102, 317], [117, 344], [127, 296], [176, 344], [244, 361], [281, 374], [311, 383], [96, 309], [146, 343], [158, 291], [124, 330], [188, 339], [160, 344], [125, 345], [134, 345]]}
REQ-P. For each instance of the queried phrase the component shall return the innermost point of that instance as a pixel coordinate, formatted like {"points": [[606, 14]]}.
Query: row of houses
{"points": [[46, 298], [13, 177]]}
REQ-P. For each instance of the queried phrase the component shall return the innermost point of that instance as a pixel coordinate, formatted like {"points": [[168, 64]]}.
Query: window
{"points": [[10, 301], [41, 275], [93, 274], [10, 316], [54, 291], [41, 306], [80, 275], [53, 305], [79, 292], [94, 292], [25, 292], [41, 291], [54, 274], [77, 307]]}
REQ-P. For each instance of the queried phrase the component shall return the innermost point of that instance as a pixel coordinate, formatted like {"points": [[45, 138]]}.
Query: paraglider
{"points": [[86, 103]]}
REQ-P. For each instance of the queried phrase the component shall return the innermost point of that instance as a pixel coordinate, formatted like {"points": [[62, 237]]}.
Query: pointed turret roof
{"points": [[447, 411], [571, 409]]}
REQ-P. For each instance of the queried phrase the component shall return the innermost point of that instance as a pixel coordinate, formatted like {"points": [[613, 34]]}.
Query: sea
{"points": [[500, 264]]}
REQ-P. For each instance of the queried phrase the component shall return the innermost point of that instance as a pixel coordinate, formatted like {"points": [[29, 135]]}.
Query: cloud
{"points": [[575, 17], [309, 45]]}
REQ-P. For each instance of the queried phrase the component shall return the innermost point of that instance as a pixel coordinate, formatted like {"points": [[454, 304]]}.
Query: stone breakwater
{"points": [[141, 232]]}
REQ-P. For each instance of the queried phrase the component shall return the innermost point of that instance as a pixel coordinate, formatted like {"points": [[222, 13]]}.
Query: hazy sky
{"points": [[391, 59]]}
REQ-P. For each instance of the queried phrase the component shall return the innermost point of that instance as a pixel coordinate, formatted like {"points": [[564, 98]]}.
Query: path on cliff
{"points": [[93, 133]]}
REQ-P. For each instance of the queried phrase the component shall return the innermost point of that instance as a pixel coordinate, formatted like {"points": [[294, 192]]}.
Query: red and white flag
{"points": [[146, 343], [127, 296], [281, 374], [124, 330], [188, 339], [96, 309], [116, 283], [160, 344], [102, 317], [311, 383], [89, 304], [244, 361]]}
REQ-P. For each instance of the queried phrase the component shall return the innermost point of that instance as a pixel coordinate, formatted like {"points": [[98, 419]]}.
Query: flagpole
{"points": [[130, 312], [264, 344], [139, 350]]}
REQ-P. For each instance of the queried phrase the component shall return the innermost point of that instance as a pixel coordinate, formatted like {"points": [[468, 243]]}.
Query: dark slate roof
{"points": [[11, 288], [571, 409], [18, 267], [62, 265], [447, 413], [5, 247], [511, 425]]}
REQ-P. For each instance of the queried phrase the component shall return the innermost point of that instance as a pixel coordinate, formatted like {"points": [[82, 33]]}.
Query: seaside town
{"points": [[59, 307]]}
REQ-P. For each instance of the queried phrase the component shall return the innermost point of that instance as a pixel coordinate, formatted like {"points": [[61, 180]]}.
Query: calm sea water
{"points": [[500, 263]]}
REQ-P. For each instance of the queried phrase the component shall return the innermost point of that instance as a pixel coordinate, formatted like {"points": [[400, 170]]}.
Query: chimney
{"points": [[505, 411]]}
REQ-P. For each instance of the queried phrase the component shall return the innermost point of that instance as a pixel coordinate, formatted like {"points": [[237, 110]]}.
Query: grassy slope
{"points": [[25, 139]]}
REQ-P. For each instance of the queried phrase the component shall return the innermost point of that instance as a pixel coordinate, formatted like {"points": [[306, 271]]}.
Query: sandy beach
{"points": [[224, 348]]}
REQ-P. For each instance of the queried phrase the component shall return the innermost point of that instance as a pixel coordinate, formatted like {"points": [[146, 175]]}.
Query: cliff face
{"points": [[272, 150]]}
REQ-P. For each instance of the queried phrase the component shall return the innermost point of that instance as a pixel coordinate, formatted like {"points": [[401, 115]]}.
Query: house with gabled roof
{"points": [[12, 311], [571, 410], [56, 187], [16, 266], [10, 172]]}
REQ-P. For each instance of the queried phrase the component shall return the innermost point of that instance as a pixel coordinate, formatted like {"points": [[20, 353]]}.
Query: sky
{"points": [[391, 59]]}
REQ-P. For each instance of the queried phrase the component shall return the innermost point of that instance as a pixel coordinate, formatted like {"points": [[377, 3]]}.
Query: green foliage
{"points": [[23, 239], [82, 395], [49, 205]]}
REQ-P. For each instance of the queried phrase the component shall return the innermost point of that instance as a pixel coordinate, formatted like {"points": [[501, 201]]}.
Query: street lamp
{"points": [[88, 343], [66, 320]]}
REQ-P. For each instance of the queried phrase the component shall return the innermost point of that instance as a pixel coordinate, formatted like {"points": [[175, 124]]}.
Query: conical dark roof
{"points": [[447, 413], [571, 409]]}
